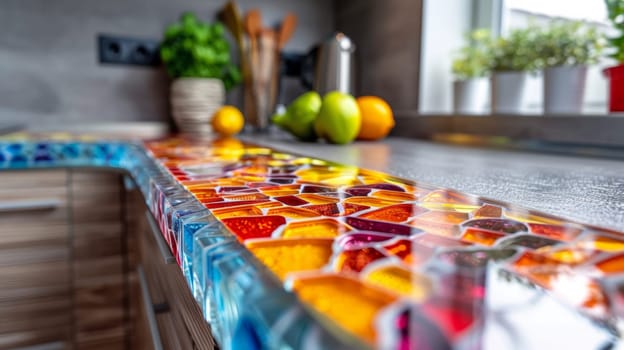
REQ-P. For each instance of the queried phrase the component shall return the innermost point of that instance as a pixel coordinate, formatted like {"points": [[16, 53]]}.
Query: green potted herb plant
{"points": [[197, 56], [615, 9], [470, 68], [565, 50], [513, 58]]}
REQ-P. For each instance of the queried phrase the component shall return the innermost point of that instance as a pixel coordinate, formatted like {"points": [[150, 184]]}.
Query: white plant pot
{"points": [[471, 96], [193, 102], [508, 92], [564, 89]]}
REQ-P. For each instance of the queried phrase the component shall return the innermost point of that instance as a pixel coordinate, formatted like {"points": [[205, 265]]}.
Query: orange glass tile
{"points": [[393, 195], [483, 237], [611, 265], [275, 193], [562, 233], [236, 211], [394, 213], [254, 226], [410, 253], [488, 211], [352, 304], [317, 199], [321, 228], [336, 209], [284, 256], [217, 205], [293, 213], [400, 280], [370, 202], [448, 217], [567, 255], [245, 197], [529, 261], [438, 228], [357, 259]]}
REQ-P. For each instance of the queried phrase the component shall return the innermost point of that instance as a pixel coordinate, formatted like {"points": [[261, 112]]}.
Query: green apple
{"points": [[300, 115], [339, 119]]}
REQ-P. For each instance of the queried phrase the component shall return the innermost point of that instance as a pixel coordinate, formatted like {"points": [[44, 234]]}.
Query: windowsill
{"points": [[586, 129]]}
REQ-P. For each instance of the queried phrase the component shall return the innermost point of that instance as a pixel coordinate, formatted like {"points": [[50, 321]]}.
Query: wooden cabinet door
{"points": [[35, 278]]}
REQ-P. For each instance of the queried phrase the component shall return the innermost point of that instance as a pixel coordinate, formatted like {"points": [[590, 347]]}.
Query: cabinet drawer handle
{"points": [[29, 205], [149, 310], [165, 252]]}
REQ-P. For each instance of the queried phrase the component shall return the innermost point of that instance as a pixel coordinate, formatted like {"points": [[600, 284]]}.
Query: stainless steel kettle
{"points": [[332, 64], [328, 66]]}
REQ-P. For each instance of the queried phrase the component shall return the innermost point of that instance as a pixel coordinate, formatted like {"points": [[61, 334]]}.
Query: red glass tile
{"points": [[254, 226]]}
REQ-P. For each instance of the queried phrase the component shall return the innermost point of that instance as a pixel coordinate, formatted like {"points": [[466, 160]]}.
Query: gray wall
{"points": [[48, 65], [387, 35]]}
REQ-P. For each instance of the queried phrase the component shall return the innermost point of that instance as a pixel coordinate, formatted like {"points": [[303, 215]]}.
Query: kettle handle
{"points": [[308, 68]]}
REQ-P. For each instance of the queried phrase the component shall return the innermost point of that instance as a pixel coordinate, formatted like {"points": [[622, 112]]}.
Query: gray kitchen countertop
{"points": [[586, 190]]}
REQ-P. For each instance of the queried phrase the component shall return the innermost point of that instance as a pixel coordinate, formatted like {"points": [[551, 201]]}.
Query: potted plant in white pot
{"points": [[513, 58], [197, 56], [566, 48], [470, 68]]}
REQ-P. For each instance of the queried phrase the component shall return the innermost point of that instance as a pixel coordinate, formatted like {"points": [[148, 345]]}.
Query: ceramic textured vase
{"points": [[564, 89], [508, 92], [470, 96], [193, 102]]}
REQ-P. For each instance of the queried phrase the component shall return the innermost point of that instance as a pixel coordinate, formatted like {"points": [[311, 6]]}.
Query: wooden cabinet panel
{"points": [[35, 299], [99, 260]]}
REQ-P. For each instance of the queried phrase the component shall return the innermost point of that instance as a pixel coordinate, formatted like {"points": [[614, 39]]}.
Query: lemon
{"points": [[228, 120]]}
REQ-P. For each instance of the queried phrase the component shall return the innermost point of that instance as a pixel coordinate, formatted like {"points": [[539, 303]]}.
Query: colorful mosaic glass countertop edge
{"points": [[284, 251]]}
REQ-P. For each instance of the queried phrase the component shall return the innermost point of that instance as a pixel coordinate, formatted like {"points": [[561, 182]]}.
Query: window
{"points": [[588, 10], [520, 13]]}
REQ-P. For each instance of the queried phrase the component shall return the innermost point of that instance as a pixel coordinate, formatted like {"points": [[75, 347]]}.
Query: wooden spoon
{"points": [[253, 28], [286, 30]]}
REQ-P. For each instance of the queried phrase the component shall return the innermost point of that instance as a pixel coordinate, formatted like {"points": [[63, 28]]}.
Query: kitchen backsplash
{"points": [[49, 72]]}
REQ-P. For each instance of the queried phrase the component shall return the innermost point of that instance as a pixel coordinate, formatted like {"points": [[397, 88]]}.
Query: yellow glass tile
{"points": [[449, 197], [293, 213], [284, 256], [317, 199], [462, 208], [393, 195], [600, 242], [322, 228], [400, 280], [530, 218], [370, 202], [352, 304], [247, 210]]}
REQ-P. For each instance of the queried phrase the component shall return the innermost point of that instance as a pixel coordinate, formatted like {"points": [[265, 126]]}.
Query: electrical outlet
{"points": [[132, 51]]}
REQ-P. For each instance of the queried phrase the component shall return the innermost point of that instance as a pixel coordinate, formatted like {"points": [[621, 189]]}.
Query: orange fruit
{"points": [[227, 121], [377, 118]]}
